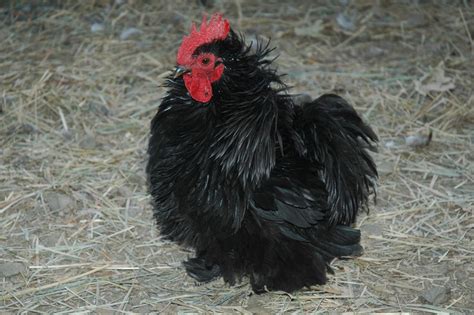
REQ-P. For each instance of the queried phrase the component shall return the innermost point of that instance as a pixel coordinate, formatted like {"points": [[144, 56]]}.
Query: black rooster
{"points": [[256, 185]]}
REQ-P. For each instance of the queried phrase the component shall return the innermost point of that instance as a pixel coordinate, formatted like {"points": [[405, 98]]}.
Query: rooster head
{"points": [[200, 68]]}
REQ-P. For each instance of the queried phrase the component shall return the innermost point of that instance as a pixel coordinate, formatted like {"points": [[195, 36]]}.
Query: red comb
{"points": [[216, 29]]}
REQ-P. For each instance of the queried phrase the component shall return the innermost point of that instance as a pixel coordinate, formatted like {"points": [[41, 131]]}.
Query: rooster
{"points": [[257, 186]]}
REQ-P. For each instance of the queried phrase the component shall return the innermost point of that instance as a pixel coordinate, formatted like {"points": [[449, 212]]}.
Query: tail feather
{"points": [[340, 241], [342, 235], [336, 138]]}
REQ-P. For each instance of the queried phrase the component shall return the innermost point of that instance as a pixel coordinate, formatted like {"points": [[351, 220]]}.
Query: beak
{"points": [[179, 71]]}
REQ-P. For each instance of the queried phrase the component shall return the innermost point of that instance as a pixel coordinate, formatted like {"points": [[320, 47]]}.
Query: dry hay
{"points": [[80, 83]]}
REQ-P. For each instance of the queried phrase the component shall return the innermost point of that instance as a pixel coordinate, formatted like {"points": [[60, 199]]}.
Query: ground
{"points": [[80, 82]]}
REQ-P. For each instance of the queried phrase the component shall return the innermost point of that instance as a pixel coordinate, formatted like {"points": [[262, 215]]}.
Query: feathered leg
{"points": [[289, 265], [200, 269]]}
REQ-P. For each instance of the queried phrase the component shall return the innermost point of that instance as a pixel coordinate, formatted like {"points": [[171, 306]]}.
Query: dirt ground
{"points": [[80, 82]]}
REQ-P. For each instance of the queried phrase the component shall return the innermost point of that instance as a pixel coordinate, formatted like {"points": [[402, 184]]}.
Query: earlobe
{"points": [[217, 73]]}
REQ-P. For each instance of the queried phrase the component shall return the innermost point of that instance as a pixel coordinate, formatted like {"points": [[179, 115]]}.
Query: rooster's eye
{"points": [[205, 61]]}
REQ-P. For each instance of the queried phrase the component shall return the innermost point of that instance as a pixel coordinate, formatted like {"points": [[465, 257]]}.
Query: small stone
{"points": [[345, 21], [58, 201], [313, 30], [22, 129], [11, 268], [124, 191], [390, 144], [415, 20], [97, 27], [136, 179], [99, 108], [88, 142], [129, 32], [68, 134], [418, 140], [375, 51], [436, 295]]}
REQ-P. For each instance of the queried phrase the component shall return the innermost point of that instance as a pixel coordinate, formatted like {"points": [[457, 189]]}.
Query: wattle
{"points": [[199, 86]]}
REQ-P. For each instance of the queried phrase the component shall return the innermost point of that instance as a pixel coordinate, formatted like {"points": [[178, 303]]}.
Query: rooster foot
{"points": [[199, 270]]}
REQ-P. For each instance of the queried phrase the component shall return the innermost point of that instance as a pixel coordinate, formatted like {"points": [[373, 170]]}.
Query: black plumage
{"points": [[256, 185]]}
